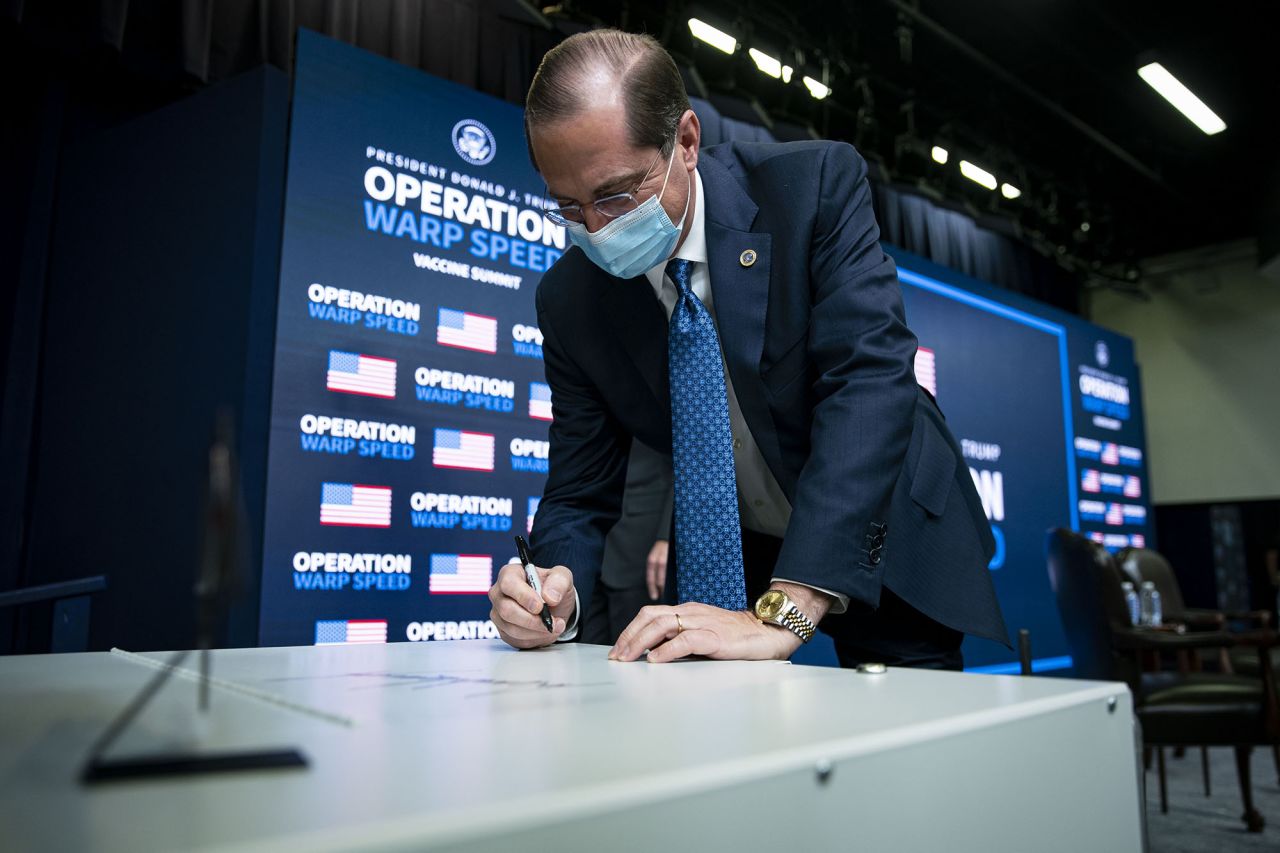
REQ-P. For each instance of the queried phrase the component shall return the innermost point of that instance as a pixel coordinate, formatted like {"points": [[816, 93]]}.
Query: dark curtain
{"points": [[489, 45]]}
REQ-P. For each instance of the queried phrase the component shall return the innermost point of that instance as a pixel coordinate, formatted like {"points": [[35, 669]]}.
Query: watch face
{"points": [[769, 605]]}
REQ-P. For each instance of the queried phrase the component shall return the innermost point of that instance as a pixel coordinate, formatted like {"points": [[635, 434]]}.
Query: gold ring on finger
{"points": [[679, 625]]}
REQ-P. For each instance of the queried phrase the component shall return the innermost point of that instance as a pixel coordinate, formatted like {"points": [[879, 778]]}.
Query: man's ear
{"points": [[690, 138]]}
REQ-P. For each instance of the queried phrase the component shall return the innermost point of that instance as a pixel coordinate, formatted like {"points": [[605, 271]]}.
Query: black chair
{"points": [[1174, 708], [1145, 564]]}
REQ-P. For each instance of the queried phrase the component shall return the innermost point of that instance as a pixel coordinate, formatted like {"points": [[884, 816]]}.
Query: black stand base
{"points": [[99, 771]]}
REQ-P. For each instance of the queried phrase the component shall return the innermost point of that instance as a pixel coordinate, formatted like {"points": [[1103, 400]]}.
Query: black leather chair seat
{"points": [[1199, 688], [1203, 723]]}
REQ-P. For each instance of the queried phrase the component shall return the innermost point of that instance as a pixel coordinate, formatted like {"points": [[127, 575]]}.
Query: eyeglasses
{"points": [[610, 207]]}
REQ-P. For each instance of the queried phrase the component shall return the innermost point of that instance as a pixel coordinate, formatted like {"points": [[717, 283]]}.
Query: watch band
{"points": [[797, 622]]}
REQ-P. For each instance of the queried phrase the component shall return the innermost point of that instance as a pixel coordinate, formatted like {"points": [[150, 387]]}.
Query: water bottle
{"points": [[1131, 602], [1157, 609], [1145, 601]]}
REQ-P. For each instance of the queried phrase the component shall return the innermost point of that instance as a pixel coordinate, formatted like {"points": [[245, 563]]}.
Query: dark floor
{"points": [[1199, 824]]}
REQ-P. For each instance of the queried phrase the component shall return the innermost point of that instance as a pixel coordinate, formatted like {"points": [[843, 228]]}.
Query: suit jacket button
{"points": [[747, 258], [875, 555]]}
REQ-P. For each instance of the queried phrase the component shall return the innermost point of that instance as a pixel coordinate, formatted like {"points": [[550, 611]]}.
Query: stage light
{"points": [[1186, 102], [978, 175], [939, 154], [768, 64], [1009, 191], [816, 88], [716, 38], [786, 73]]}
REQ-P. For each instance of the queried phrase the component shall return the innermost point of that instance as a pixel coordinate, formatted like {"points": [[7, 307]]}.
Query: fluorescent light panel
{"points": [[978, 175], [1186, 102], [716, 38], [940, 154], [1009, 191], [817, 88]]}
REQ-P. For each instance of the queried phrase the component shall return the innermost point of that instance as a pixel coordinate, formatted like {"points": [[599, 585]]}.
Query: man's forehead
{"points": [[587, 153]]}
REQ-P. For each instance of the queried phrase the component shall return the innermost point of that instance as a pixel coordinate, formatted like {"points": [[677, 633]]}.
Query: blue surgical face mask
{"points": [[635, 242]]}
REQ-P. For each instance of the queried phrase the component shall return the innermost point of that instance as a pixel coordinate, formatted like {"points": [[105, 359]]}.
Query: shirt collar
{"points": [[694, 247]]}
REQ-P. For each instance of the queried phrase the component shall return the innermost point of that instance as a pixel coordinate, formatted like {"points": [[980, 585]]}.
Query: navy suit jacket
{"points": [[816, 344]]}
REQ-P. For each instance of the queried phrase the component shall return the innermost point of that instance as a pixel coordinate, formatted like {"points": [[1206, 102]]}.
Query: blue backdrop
{"points": [[408, 422]]}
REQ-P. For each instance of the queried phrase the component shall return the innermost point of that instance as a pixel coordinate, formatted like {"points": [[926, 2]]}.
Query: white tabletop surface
{"points": [[437, 739]]}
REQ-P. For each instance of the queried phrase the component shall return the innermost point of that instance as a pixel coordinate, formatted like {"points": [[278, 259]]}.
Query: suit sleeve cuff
{"points": [[840, 605], [571, 624]]}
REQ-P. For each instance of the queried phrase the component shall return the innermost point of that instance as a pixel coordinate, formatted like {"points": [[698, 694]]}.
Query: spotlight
{"points": [[1009, 191], [939, 154], [773, 67], [978, 175], [816, 88], [716, 38], [1186, 102]]}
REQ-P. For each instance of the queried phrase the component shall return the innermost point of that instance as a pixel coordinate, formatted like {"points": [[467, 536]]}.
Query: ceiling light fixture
{"points": [[718, 39], [978, 175], [816, 88], [768, 65], [1186, 102]]}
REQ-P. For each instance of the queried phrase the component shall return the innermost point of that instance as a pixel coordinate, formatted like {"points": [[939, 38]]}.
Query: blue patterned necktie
{"points": [[708, 533]]}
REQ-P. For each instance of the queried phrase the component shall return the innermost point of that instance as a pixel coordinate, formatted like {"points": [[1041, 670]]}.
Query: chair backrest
{"points": [[1086, 583], [1151, 566]]}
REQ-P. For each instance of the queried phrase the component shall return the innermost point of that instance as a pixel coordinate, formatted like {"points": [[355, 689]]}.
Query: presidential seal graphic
{"points": [[1101, 353], [474, 142]]}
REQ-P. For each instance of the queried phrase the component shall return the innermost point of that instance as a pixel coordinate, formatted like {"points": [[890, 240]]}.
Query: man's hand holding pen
{"points": [[517, 608]]}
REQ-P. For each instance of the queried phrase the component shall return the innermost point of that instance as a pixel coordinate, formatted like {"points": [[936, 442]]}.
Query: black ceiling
{"points": [[1042, 92]]}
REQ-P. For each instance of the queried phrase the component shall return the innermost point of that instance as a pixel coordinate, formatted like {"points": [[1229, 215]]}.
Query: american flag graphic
{"points": [[1137, 540], [460, 573], [927, 370], [352, 505], [470, 451], [533, 510], [1110, 454], [1115, 514], [1097, 537], [1090, 481], [334, 631], [353, 373], [1132, 487], [540, 401], [467, 331]]}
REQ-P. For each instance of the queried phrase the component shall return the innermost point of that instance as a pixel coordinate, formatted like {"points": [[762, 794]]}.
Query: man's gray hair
{"points": [[653, 93]]}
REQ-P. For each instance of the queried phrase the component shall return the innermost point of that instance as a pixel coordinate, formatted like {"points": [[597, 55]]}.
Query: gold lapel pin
{"points": [[748, 257]]}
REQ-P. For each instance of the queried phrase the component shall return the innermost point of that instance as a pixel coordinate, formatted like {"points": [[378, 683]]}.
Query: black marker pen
{"points": [[531, 575]]}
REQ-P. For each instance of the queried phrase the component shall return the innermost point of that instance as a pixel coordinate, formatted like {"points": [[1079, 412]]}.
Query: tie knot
{"points": [[678, 271]]}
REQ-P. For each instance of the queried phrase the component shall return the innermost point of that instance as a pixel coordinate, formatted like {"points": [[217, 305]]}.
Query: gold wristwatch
{"points": [[775, 608]]}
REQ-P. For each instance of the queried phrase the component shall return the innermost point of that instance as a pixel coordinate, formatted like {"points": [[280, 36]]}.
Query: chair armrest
{"points": [[1197, 618], [1261, 617], [1261, 639], [1148, 639]]}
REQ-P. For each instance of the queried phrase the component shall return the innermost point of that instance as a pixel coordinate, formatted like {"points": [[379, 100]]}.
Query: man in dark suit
{"points": [[814, 481]]}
